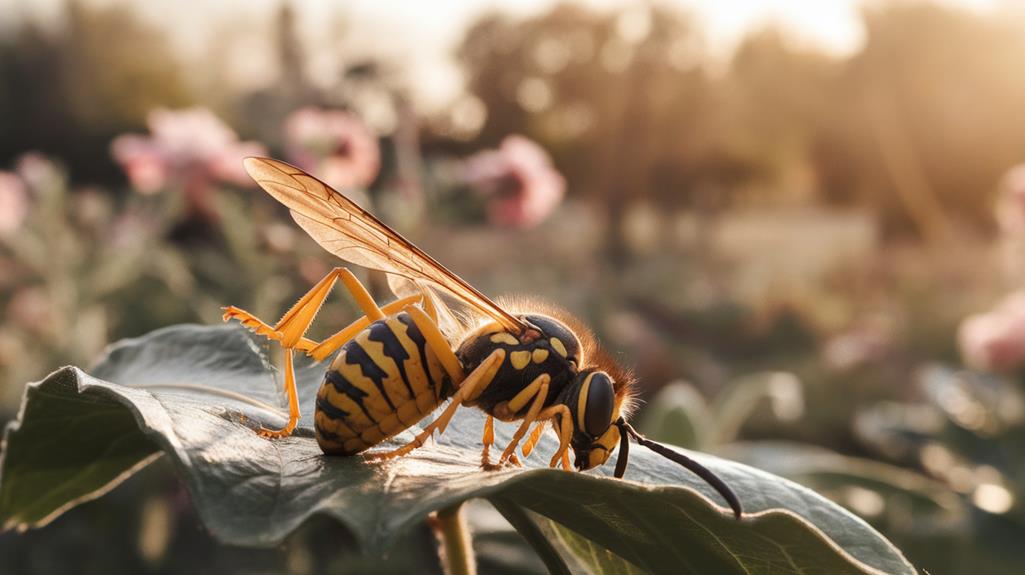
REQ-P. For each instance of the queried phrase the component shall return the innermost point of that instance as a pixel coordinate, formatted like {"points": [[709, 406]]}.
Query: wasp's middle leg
{"points": [[488, 439]]}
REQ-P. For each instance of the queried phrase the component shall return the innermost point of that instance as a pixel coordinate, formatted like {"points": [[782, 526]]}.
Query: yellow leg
{"points": [[259, 328], [360, 294], [488, 440], [489, 431], [471, 396], [293, 402], [507, 411], [290, 329], [297, 320], [535, 408], [323, 350], [437, 342], [479, 378], [564, 426], [559, 415], [533, 438]]}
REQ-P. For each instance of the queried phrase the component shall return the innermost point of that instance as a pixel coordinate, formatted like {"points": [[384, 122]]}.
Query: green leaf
{"points": [[679, 415], [253, 491], [742, 397], [43, 476], [857, 483]]}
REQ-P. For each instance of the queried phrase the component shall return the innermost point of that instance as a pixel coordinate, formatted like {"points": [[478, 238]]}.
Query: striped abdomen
{"points": [[381, 382]]}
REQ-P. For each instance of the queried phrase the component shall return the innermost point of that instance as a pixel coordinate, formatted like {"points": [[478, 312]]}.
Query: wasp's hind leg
{"points": [[292, 326], [325, 349], [478, 379], [293, 402]]}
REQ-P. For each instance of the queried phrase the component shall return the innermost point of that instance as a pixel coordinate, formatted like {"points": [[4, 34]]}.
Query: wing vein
{"points": [[355, 235]]}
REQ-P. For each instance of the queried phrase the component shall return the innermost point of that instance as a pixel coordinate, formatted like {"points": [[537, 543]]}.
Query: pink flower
{"points": [[39, 172], [995, 340], [13, 203], [1011, 201], [334, 146], [182, 145], [867, 342], [519, 177], [226, 165], [143, 162]]}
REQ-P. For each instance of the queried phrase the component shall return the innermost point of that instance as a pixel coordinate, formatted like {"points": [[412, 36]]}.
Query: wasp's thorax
{"points": [[547, 346]]}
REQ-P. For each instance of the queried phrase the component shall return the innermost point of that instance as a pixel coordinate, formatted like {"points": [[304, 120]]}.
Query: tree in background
{"points": [[68, 91], [917, 126], [938, 97]]}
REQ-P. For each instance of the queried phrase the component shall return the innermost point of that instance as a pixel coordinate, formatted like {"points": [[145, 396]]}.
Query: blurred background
{"points": [[802, 223]]}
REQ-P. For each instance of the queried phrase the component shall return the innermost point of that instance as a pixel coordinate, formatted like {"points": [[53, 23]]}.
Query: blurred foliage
{"points": [[966, 430], [150, 526], [77, 258], [68, 90]]}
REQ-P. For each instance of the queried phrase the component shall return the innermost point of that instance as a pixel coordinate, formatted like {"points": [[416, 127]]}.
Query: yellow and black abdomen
{"points": [[383, 381]]}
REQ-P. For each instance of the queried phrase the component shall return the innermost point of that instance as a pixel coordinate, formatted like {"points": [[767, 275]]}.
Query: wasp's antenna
{"points": [[693, 466], [624, 448]]}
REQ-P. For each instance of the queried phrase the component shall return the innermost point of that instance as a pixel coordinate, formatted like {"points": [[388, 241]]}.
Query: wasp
{"points": [[519, 361]]}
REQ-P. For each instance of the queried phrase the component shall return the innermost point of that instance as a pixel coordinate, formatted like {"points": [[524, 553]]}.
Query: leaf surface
{"points": [[80, 434]]}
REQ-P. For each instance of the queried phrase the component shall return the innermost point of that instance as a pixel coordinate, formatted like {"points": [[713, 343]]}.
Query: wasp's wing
{"points": [[448, 322], [355, 235]]}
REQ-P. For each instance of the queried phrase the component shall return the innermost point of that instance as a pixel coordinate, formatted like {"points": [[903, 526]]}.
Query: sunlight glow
{"points": [[423, 35], [993, 498]]}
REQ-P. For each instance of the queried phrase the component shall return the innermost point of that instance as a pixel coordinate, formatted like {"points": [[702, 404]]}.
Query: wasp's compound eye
{"points": [[595, 404]]}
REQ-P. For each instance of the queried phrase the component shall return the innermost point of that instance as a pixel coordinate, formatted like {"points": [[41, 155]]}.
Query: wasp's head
{"points": [[598, 426], [594, 407]]}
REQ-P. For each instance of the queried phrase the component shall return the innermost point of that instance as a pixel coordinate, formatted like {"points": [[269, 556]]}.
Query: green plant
{"points": [[895, 499], [965, 430]]}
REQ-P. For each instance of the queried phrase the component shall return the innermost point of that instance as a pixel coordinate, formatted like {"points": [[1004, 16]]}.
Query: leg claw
{"points": [[273, 433]]}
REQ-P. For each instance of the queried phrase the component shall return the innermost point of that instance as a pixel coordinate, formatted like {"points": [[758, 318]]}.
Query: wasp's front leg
{"points": [[561, 420], [538, 391]]}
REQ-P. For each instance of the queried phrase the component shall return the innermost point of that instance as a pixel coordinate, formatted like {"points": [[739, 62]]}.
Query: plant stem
{"points": [[455, 540]]}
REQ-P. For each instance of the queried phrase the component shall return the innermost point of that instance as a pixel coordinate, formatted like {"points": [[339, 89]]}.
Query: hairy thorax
{"points": [[552, 350]]}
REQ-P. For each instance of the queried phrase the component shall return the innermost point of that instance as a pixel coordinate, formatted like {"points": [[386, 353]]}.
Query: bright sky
{"points": [[423, 33], [427, 31]]}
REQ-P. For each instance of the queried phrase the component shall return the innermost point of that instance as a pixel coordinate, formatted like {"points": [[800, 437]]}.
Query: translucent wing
{"points": [[449, 324], [355, 235]]}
